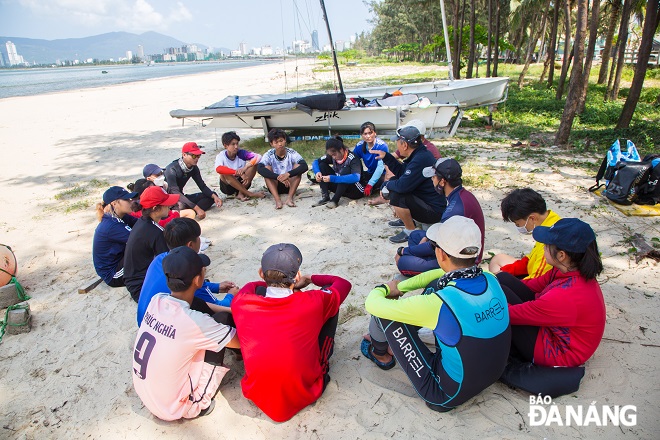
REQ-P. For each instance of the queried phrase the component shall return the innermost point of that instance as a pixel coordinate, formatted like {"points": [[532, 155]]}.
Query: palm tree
{"points": [[593, 35], [567, 46], [612, 7], [615, 80]]}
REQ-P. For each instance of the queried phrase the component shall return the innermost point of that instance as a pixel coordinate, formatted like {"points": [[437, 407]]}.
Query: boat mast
{"points": [[332, 45], [444, 29]]}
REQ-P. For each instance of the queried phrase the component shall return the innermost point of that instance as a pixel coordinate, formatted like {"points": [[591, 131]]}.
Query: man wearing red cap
{"points": [[183, 169]]}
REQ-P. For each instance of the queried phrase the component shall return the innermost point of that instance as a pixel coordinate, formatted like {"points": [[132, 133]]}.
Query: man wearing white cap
{"points": [[464, 306]]}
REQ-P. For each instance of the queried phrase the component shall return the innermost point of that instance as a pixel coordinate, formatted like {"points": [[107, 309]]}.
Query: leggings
{"points": [[199, 199], [424, 260], [217, 357], [118, 278], [351, 190], [523, 337]]}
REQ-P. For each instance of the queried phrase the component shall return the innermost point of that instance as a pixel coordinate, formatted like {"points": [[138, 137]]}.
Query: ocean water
{"points": [[26, 82]]}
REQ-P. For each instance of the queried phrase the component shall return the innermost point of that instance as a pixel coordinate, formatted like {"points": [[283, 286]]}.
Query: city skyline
{"points": [[190, 21]]}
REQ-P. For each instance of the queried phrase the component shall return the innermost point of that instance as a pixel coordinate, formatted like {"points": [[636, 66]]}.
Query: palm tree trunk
{"points": [[455, 37], [460, 43], [575, 84], [593, 35], [622, 43], [497, 37], [473, 22], [567, 45], [650, 25], [607, 50], [490, 36], [533, 39], [550, 61]]}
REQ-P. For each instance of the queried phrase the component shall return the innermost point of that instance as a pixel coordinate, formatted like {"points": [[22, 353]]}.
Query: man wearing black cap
{"points": [[410, 193], [446, 175], [172, 372], [286, 334]]}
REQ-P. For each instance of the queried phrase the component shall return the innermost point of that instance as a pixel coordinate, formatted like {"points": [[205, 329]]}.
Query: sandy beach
{"points": [[70, 377]]}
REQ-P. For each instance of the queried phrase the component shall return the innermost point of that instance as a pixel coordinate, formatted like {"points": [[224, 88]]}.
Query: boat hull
{"points": [[385, 118], [466, 93]]}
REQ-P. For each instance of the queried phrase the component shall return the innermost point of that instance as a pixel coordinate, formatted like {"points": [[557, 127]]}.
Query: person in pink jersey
{"points": [[178, 353]]}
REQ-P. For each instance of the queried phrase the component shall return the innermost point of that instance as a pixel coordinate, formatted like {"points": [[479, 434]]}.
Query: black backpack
{"points": [[635, 182], [648, 191]]}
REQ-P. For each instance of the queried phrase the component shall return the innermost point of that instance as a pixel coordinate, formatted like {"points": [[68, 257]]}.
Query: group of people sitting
{"points": [[468, 328]]}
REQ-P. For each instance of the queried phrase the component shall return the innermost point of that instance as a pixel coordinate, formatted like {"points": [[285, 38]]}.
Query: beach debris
{"points": [[643, 249], [90, 287], [19, 319]]}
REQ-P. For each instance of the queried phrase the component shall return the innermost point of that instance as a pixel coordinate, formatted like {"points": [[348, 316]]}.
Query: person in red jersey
{"points": [[286, 333]]}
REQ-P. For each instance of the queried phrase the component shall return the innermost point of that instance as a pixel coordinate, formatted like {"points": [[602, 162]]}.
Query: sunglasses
{"points": [[194, 156]]}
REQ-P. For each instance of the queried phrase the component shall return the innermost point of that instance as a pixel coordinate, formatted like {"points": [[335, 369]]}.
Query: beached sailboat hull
{"points": [[466, 93], [347, 119]]}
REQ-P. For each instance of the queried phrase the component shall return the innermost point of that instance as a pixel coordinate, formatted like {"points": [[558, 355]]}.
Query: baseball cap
{"points": [[183, 264], [568, 234], [150, 169], [418, 124], [191, 148], [458, 236], [117, 192], [407, 133], [444, 167], [155, 196], [282, 257]]}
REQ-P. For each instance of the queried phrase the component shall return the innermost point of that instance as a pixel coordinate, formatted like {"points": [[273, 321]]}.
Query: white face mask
{"points": [[523, 229], [159, 181]]}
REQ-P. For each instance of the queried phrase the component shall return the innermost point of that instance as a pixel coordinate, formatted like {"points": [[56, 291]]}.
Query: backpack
{"points": [[648, 191], [612, 158], [624, 186]]}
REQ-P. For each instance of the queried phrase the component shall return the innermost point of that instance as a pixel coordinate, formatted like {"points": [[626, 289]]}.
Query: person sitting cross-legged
{"points": [[465, 308], [178, 353]]}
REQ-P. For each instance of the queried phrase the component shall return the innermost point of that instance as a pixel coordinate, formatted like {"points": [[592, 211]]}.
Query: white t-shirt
{"points": [[241, 159], [168, 358], [281, 166]]}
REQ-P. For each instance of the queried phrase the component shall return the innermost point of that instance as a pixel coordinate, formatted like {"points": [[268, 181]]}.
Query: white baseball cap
{"points": [[458, 236], [418, 124]]}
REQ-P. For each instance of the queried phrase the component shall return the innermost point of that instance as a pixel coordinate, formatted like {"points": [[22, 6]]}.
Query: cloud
{"points": [[128, 15]]}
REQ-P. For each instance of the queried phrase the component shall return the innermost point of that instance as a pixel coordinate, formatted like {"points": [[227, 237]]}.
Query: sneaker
{"points": [[331, 205], [401, 237], [207, 411], [324, 199], [398, 223], [204, 243]]}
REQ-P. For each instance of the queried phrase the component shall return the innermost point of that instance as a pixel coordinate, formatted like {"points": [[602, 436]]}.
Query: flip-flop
{"points": [[367, 350], [517, 144], [534, 144]]}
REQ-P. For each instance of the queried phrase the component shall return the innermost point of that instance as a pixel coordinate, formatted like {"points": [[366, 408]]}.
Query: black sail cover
{"points": [[323, 101]]}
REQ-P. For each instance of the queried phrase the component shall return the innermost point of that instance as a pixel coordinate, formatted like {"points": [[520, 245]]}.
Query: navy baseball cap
{"points": [[444, 167], [117, 192], [568, 234], [150, 169], [407, 133], [183, 264], [282, 257]]}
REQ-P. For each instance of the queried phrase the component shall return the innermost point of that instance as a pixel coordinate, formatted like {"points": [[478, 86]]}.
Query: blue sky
{"points": [[219, 23]]}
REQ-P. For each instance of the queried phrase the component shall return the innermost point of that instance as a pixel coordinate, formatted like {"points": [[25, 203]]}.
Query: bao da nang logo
{"points": [[543, 412]]}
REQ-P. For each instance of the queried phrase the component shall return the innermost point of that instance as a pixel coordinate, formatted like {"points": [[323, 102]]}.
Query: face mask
{"points": [[523, 229], [159, 181]]}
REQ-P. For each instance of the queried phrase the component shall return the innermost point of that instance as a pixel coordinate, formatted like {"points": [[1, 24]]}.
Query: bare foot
{"points": [[241, 197], [290, 203], [258, 195], [278, 204], [377, 201]]}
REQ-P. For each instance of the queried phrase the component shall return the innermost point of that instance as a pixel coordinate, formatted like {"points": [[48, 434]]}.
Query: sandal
{"points": [[367, 350]]}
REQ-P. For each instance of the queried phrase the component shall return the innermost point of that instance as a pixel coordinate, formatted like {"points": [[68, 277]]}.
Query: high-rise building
{"points": [[243, 48], [129, 55], [13, 58], [315, 40], [140, 52]]}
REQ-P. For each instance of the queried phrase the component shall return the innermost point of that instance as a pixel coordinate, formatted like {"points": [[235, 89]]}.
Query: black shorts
{"points": [[225, 188], [419, 209]]}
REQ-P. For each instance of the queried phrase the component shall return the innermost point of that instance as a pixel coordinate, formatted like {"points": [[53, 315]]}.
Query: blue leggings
{"points": [[424, 260]]}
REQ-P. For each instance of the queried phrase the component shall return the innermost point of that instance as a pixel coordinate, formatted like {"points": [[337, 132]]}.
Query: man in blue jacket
{"points": [[412, 195], [184, 232]]}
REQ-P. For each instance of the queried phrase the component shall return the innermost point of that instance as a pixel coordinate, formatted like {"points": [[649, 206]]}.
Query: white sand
{"points": [[71, 376]]}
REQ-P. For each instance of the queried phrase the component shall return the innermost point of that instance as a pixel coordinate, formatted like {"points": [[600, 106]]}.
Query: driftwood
{"points": [[644, 249]]}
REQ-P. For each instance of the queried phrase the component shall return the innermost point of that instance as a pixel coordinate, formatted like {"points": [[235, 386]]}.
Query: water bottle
{"points": [[236, 101]]}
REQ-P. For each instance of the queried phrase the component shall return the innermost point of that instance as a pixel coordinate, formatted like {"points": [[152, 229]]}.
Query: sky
{"points": [[219, 23]]}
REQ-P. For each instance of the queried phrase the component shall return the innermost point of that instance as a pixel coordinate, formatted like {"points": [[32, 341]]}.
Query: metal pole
{"points": [[332, 46], [444, 29]]}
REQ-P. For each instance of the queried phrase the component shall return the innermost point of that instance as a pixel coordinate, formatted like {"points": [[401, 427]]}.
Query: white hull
{"points": [[385, 118], [465, 93]]}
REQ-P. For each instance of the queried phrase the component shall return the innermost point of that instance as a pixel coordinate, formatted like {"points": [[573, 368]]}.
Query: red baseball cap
{"points": [[191, 148], [155, 196]]}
